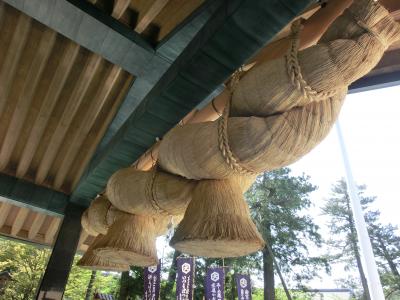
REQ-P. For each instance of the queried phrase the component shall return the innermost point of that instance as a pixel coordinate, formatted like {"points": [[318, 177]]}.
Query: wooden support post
{"points": [[55, 278]]}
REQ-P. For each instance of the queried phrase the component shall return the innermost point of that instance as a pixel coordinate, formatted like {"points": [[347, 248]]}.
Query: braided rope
{"points": [[151, 195], [223, 144], [294, 69]]}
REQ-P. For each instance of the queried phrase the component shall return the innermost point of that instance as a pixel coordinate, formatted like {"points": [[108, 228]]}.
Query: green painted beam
{"points": [[89, 27], [231, 36], [33, 196]]}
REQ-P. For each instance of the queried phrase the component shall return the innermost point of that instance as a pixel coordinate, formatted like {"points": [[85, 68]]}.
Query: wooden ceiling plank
{"points": [[99, 135], [149, 15], [70, 110], [19, 220], [26, 96], [81, 133], [15, 49], [4, 211], [120, 6], [36, 225], [51, 232], [38, 128]]}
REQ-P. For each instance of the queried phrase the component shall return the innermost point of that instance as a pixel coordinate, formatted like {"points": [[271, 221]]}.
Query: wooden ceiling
{"points": [[24, 224], [153, 19], [56, 101]]}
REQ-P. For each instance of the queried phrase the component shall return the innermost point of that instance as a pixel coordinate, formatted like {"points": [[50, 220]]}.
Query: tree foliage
{"points": [[279, 202], [344, 240], [27, 264]]}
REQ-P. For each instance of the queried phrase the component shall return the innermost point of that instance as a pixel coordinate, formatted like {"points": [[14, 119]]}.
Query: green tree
{"points": [[343, 228], [278, 202], [79, 279], [386, 246], [26, 264]]}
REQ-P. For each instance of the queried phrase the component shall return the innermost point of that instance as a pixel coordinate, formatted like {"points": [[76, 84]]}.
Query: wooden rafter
{"points": [[149, 15], [120, 6], [36, 225], [89, 119], [26, 96], [38, 128], [13, 55], [69, 113], [19, 220], [4, 211]]}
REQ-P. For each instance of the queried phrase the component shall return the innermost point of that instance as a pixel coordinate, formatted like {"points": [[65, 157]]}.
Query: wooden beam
{"points": [[26, 96], [84, 81], [31, 195], [38, 128], [4, 211], [120, 6], [149, 15], [13, 55], [36, 225], [99, 136], [19, 220], [86, 25], [53, 229], [81, 133]]}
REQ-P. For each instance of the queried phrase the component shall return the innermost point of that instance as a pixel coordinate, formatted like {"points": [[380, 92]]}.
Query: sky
{"points": [[370, 123]]}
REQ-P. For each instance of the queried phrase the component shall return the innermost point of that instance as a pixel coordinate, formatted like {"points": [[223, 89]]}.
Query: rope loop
{"points": [[223, 144], [151, 193], [294, 69]]}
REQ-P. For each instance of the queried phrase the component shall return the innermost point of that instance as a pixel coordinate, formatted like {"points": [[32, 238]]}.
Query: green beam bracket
{"points": [[33, 196], [231, 36]]}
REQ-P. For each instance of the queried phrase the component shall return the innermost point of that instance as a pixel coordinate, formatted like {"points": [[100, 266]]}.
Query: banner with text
{"points": [[214, 285], [185, 278], [243, 285], [152, 282]]}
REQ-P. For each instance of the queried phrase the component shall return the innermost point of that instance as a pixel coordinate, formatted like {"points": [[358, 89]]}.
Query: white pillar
{"points": [[371, 270]]}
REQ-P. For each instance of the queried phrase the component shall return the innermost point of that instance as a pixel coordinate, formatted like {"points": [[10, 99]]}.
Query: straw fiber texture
{"points": [[149, 192], [283, 108], [97, 214], [92, 261], [217, 222], [131, 240], [86, 225]]}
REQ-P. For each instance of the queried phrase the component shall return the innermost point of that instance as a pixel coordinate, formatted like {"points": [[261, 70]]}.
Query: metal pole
{"points": [[374, 282]]}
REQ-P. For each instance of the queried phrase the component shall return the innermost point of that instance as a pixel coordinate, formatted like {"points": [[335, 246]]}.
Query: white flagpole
{"points": [[374, 282]]}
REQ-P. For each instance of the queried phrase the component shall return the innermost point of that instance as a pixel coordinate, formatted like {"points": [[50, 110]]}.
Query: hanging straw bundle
{"points": [[92, 261], [217, 222], [251, 145], [86, 225], [149, 192], [130, 241], [283, 108], [97, 214]]}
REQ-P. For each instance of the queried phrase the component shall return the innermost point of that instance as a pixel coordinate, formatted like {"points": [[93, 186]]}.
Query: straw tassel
{"points": [[92, 261], [217, 222], [130, 241]]}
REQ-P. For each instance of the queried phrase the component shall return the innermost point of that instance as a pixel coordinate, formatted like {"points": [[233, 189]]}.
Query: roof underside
{"points": [[87, 86]]}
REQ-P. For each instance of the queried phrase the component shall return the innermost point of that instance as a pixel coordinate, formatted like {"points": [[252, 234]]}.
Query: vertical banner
{"points": [[185, 278], [152, 282], [243, 285], [214, 287]]}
